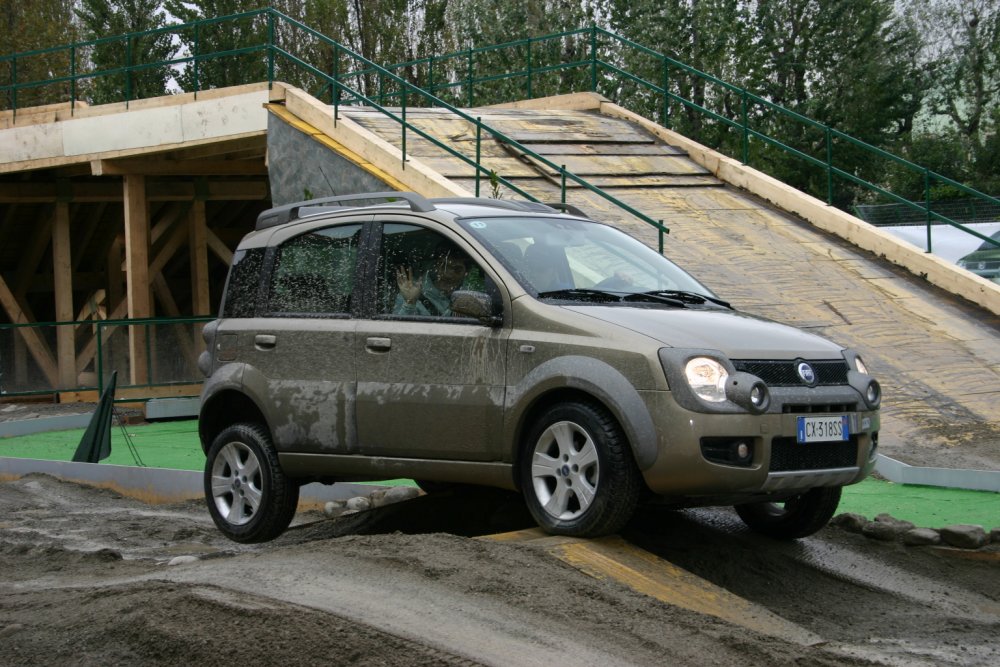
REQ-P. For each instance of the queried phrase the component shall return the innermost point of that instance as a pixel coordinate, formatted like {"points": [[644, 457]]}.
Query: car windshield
{"points": [[988, 245], [581, 260]]}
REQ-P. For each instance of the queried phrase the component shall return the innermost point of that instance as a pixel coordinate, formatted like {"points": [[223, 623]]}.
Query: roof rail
{"points": [[568, 208], [510, 205], [290, 212]]}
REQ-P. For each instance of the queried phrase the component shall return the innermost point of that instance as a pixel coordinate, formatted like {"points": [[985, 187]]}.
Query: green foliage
{"points": [[243, 40], [28, 26], [111, 18]]}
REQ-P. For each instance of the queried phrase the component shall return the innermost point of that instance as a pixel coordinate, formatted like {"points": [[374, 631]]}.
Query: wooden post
{"points": [[137, 273], [198, 247], [62, 281]]}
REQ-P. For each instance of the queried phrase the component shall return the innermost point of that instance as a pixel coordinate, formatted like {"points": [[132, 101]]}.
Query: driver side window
{"points": [[418, 270]]}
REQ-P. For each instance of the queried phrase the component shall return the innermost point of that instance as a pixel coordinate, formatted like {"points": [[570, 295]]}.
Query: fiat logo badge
{"points": [[806, 372]]}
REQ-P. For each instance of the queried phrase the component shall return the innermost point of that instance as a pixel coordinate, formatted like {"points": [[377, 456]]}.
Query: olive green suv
{"points": [[514, 345]]}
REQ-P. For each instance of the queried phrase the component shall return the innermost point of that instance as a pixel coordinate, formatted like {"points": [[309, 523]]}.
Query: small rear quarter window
{"points": [[244, 283]]}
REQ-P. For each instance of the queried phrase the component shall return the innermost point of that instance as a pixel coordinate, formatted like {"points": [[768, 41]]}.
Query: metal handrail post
{"points": [[72, 81], [665, 120], [593, 59], [563, 188], [479, 139], [927, 204], [270, 50], [403, 125], [529, 69], [197, 62], [99, 362], [128, 71], [829, 166], [746, 129], [660, 230], [469, 79]]}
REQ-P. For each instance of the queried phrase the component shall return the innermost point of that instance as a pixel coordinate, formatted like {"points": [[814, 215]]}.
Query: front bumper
{"points": [[778, 463]]}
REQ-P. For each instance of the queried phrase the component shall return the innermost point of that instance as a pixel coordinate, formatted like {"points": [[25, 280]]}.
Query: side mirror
{"points": [[477, 305]]}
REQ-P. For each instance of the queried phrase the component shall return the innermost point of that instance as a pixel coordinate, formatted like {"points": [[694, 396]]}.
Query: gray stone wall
{"points": [[301, 168]]}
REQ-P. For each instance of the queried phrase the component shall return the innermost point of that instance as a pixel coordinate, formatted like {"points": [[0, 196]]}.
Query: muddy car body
{"points": [[572, 363]]}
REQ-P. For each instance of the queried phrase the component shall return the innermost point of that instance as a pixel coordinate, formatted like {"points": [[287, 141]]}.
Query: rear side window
{"points": [[243, 284], [314, 272]]}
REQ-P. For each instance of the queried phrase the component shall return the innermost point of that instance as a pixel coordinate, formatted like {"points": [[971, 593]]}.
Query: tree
{"points": [[227, 53], [476, 23], [962, 53], [114, 18], [30, 26]]}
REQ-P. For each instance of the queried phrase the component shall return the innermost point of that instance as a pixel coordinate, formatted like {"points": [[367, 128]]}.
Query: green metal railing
{"points": [[601, 67], [275, 28], [172, 346], [606, 72]]}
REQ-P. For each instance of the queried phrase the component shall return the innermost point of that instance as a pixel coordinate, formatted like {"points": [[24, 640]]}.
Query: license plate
{"points": [[831, 428]]}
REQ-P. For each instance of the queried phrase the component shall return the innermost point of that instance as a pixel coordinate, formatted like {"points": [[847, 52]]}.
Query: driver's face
{"points": [[451, 273]]}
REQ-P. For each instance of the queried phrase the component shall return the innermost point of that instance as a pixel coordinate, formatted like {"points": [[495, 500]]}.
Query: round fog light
{"points": [[874, 393], [742, 451]]}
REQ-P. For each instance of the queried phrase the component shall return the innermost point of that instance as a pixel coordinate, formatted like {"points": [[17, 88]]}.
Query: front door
{"points": [[430, 383]]}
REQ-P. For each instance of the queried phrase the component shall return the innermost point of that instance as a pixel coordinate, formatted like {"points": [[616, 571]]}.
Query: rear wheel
{"points": [[799, 516], [577, 471], [248, 495]]}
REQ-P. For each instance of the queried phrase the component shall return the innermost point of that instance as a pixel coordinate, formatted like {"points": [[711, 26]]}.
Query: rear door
{"points": [[302, 350]]}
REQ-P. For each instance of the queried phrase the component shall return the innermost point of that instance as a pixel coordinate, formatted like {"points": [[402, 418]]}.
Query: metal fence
{"points": [[170, 349]]}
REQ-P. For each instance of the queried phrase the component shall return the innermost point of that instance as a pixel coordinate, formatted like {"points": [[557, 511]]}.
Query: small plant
{"points": [[307, 194], [495, 185]]}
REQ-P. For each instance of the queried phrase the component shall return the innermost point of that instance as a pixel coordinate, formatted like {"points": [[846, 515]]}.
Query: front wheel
{"points": [[248, 495], [577, 471], [799, 516]]}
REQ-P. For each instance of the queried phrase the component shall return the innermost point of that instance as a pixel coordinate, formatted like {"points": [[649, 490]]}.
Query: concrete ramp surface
{"points": [[936, 355]]}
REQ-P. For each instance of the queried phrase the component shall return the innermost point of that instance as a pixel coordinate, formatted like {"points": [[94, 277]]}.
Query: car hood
{"points": [[737, 335]]}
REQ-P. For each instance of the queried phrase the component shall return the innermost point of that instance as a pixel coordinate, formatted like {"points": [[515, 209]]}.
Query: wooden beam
{"points": [[179, 167], [89, 351], [166, 298], [31, 255], [37, 346], [62, 280], [178, 235], [110, 191], [137, 273], [94, 217], [198, 253], [220, 249]]}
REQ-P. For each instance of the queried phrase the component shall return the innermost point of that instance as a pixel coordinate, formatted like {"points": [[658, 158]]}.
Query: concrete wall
{"points": [[160, 124], [299, 167]]}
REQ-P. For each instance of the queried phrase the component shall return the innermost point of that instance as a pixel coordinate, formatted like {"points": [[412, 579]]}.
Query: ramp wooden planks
{"points": [[937, 357], [614, 559]]}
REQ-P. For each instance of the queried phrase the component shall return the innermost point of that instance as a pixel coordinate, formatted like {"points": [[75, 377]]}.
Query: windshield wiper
{"points": [[687, 297], [580, 294]]}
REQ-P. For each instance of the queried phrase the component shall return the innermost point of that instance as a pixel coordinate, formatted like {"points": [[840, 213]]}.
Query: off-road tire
{"points": [[248, 495], [799, 516], [606, 494]]}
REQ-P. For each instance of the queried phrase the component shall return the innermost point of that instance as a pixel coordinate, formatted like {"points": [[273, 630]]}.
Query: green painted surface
{"points": [[175, 445]]}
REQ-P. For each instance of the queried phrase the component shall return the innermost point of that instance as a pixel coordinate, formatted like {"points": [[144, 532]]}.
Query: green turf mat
{"points": [[925, 506], [172, 444], [175, 444]]}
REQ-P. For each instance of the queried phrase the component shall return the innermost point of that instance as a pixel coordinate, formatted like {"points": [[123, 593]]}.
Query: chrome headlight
{"points": [[861, 365], [707, 378]]}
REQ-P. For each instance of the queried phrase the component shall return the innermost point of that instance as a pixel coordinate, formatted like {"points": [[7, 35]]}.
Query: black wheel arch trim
{"points": [[598, 379]]}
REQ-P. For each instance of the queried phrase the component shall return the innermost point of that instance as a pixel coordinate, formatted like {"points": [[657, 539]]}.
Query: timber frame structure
{"points": [[121, 231]]}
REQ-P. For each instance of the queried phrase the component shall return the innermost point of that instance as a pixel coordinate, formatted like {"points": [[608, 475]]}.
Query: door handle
{"points": [[377, 344], [265, 341]]}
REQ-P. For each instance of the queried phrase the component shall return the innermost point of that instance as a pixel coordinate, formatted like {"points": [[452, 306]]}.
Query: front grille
{"points": [[783, 373], [819, 408], [787, 454]]}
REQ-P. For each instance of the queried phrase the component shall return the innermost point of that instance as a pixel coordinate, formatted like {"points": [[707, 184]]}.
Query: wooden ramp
{"points": [[937, 356]]}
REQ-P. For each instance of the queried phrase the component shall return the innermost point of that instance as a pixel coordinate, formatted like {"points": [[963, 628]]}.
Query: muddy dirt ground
{"points": [[90, 577]]}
